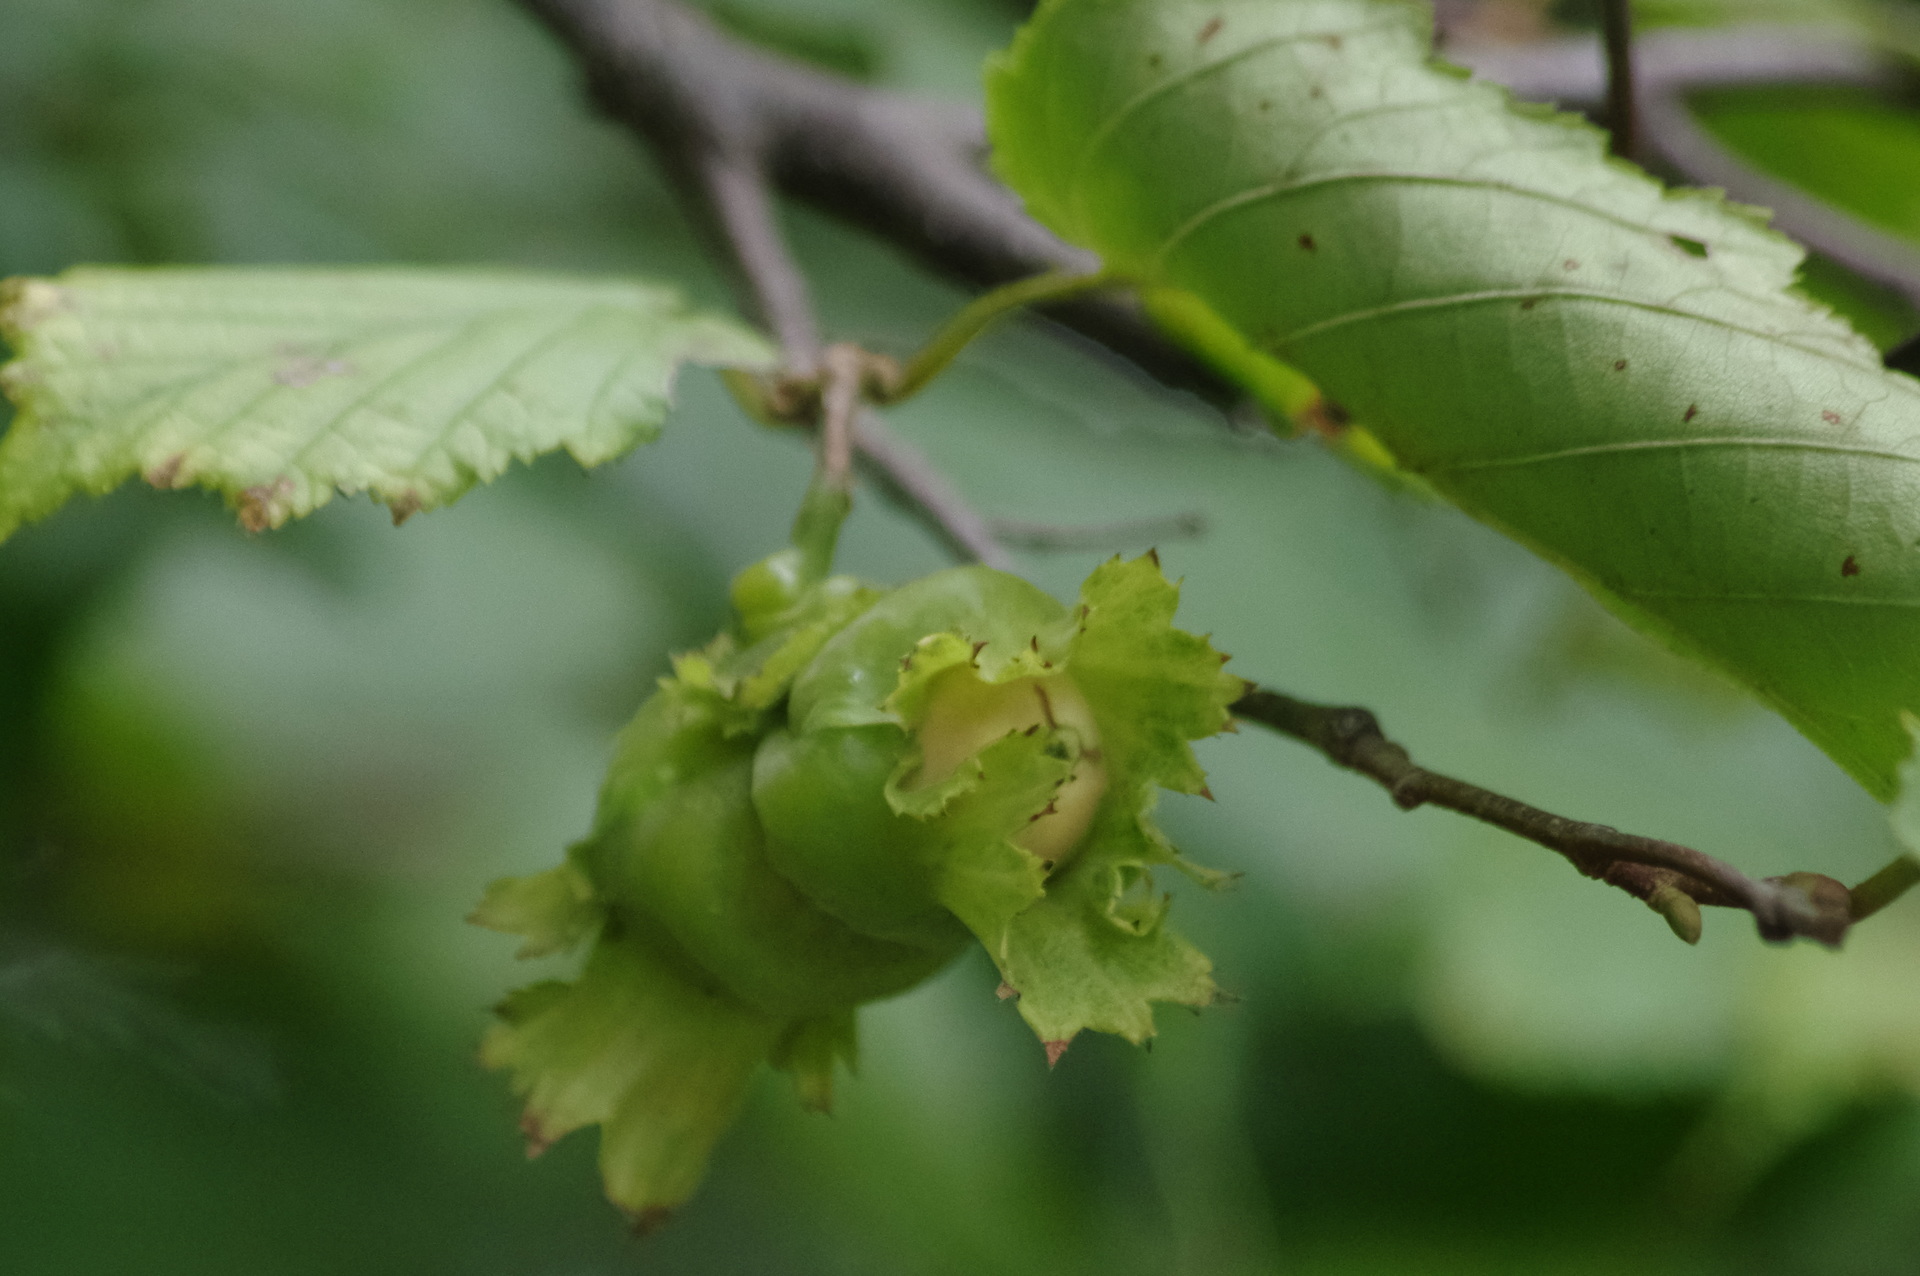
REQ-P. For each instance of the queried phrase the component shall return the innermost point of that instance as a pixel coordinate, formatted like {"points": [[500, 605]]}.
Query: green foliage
{"points": [[1619, 376], [278, 387], [1449, 1055]]}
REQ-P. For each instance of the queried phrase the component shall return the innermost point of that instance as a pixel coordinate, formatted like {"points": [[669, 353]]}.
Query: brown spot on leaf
{"points": [[1851, 567], [1266, 103], [303, 370], [1830, 417], [1051, 808], [650, 1220], [1306, 242], [1211, 30], [537, 1140], [1693, 410], [28, 303], [1154, 60], [1619, 365], [1153, 555], [1034, 642], [1006, 991], [1529, 303], [1206, 792], [978, 647], [1335, 43], [166, 476], [1054, 1050], [405, 507], [1324, 417], [1569, 264], [264, 505]]}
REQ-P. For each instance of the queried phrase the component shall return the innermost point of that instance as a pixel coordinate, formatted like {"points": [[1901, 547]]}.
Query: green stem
{"points": [[1889, 884], [973, 319], [816, 528]]}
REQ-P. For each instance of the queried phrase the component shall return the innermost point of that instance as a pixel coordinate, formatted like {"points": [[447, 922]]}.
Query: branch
{"points": [[1670, 65], [1670, 878], [725, 122], [1617, 29], [906, 170], [1056, 537], [906, 475]]}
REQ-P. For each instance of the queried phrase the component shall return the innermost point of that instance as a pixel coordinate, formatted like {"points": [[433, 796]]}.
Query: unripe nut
{"points": [[964, 715]]}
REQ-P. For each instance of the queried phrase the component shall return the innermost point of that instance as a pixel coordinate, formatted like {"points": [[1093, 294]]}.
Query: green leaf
{"points": [[1617, 375], [661, 1065], [278, 387], [1156, 687], [1095, 951], [553, 911]]}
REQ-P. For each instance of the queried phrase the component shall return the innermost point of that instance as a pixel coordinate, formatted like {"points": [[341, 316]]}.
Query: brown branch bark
{"points": [[1662, 874], [907, 170], [1616, 29]]}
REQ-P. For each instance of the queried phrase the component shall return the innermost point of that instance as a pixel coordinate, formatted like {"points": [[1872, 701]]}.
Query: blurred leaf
{"points": [[85, 1003], [1844, 144], [277, 387]]}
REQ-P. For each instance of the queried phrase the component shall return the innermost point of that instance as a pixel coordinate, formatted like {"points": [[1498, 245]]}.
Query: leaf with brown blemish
{"points": [[279, 388], [1496, 269]]}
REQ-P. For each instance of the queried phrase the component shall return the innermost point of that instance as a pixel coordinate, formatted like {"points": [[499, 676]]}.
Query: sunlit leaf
{"points": [[278, 387], [1617, 375]]}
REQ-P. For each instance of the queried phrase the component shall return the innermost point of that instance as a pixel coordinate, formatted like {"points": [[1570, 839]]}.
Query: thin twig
{"points": [[1651, 870], [740, 203], [1057, 537], [1617, 27], [841, 371], [1670, 65], [906, 475]]}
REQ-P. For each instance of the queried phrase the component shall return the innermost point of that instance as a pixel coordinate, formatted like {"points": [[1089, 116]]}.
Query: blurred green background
{"points": [[249, 787]]}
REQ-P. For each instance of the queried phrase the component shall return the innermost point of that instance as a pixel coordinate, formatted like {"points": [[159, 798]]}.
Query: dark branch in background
{"points": [[904, 472], [726, 122], [1670, 878], [1617, 29], [739, 208], [1670, 65], [907, 170], [1098, 536]]}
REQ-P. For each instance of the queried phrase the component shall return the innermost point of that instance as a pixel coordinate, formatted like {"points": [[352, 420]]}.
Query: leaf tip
{"points": [[405, 506], [1055, 1049], [645, 1222], [169, 474], [265, 506]]}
